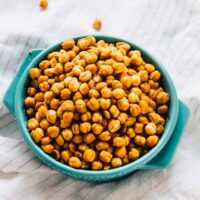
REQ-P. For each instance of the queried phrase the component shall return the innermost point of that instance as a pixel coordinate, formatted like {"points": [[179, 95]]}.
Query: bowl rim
{"points": [[81, 172]]}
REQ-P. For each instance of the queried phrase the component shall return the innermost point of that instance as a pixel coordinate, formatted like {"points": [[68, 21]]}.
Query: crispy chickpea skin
{"points": [[95, 105]]}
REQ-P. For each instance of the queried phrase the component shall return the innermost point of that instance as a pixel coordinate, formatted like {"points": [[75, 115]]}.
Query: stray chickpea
{"points": [[133, 154], [89, 155], [51, 116], [53, 131], [116, 162], [123, 104], [85, 127], [140, 140], [97, 165], [67, 134], [97, 128], [97, 24], [43, 4], [114, 125], [152, 140], [74, 162], [93, 104], [37, 134]]}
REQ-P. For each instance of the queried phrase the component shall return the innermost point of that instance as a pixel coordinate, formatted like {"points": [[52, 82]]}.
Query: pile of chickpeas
{"points": [[95, 105]]}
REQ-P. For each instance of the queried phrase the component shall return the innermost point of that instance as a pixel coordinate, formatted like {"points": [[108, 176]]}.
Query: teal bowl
{"points": [[158, 157]]}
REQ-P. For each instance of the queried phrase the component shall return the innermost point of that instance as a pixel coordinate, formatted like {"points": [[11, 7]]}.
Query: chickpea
{"points": [[31, 91], [106, 93], [30, 112], [135, 110], [65, 94], [105, 52], [117, 55], [65, 155], [97, 128], [114, 125], [48, 96], [74, 162], [119, 142], [85, 127], [89, 138], [143, 106], [105, 156], [156, 118], [136, 80], [155, 75], [89, 155], [44, 64], [34, 73], [123, 45], [116, 162], [137, 91], [119, 68], [75, 128], [67, 134], [57, 87], [83, 147], [140, 140], [60, 141], [93, 104], [162, 98], [150, 129], [55, 103], [84, 43], [37, 134], [77, 139], [107, 114], [68, 117], [51, 116], [123, 104], [80, 106], [74, 85], [143, 75], [160, 129], [29, 102], [133, 98], [84, 88], [53, 131], [92, 68], [126, 81], [143, 120], [138, 127], [133, 154], [100, 86], [77, 96], [145, 87], [104, 103], [136, 59], [97, 117], [68, 105], [97, 165], [152, 140], [64, 124], [149, 67], [45, 140], [131, 132], [93, 93], [58, 69], [118, 93], [48, 148], [97, 79], [91, 58], [130, 121], [116, 84], [85, 76], [120, 152], [100, 146], [68, 44], [32, 124], [126, 61], [44, 124], [122, 117], [163, 109], [85, 117], [105, 136], [114, 111]]}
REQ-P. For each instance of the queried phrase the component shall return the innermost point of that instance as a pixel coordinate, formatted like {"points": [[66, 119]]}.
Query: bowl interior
{"points": [[169, 126]]}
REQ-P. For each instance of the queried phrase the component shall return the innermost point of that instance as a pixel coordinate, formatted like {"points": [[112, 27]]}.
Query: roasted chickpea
{"points": [[135, 80], [136, 59], [77, 139], [32, 124], [119, 68], [89, 155], [156, 118], [135, 110], [68, 44], [93, 104], [118, 93], [31, 91], [100, 146], [85, 76], [163, 109], [74, 85], [68, 105], [150, 129], [97, 165], [80, 106], [77, 96], [104, 103], [51, 116], [105, 136], [123, 104], [122, 117], [155, 75], [85, 127], [48, 148], [106, 93], [120, 152], [140, 140], [93, 93], [100, 86], [89, 138], [114, 111], [55, 103], [84, 88], [29, 102], [85, 117], [60, 141], [67, 134], [105, 156], [68, 117], [143, 75], [97, 117], [53, 131], [65, 93], [44, 64], [162, 98], [152, 140], [75, 128], [34, 73], [138, 127], [44, 124], [114, 125], [37, 134], [74, 162], [119, 142], [133, 154], [126, 81], [97, 128], [149, 67], [131, 132]]}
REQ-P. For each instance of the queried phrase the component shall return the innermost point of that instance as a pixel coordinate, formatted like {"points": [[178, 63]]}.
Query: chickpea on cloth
{"points": [[95, 105]]}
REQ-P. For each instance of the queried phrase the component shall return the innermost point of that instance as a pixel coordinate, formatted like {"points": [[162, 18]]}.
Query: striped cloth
{"points": [[168, 29]]}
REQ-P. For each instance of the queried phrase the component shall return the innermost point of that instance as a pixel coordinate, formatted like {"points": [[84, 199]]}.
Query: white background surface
{"points": [[168, 29]]}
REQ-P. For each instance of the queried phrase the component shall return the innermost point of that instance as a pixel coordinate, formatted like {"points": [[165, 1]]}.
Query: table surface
{"points": [[168, 29]]}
